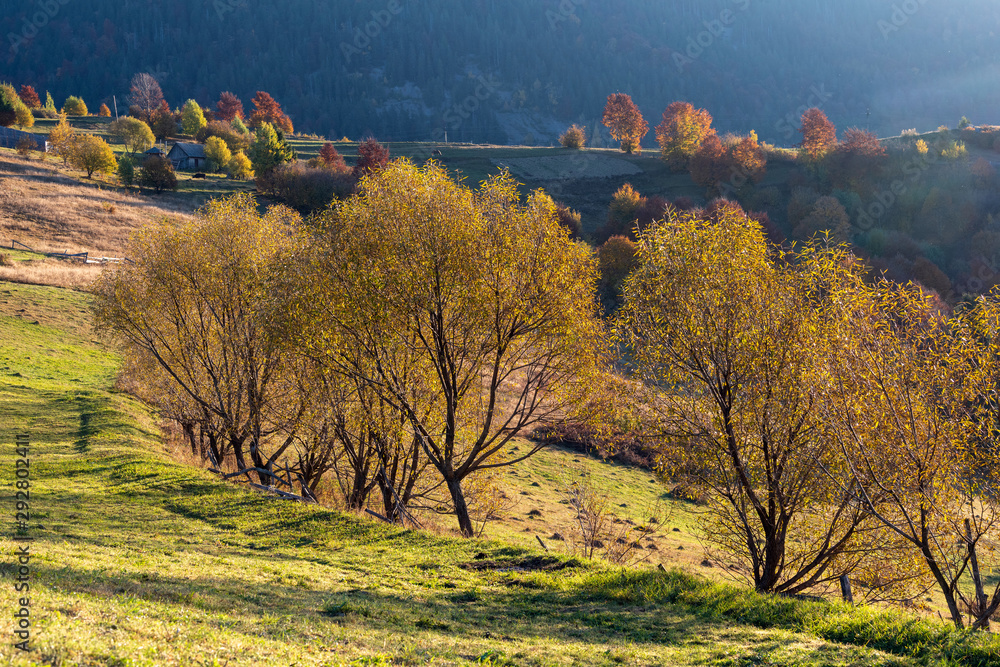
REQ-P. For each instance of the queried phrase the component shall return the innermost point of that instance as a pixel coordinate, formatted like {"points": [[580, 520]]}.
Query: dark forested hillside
{"points": [[520, 70]]}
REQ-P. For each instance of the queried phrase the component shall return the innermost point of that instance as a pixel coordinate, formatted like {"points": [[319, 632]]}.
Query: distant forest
{"points": [[514, 71]]}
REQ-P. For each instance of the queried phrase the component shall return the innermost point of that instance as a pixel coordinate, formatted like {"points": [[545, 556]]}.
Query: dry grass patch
{"points": [[52, 272], [49, 211]]}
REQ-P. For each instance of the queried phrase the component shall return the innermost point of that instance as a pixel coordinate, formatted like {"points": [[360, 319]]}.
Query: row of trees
{"points": [[839, 426], [398, 341]]}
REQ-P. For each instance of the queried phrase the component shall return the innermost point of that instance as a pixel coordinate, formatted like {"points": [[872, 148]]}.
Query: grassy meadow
{"points": [[141, 560]]}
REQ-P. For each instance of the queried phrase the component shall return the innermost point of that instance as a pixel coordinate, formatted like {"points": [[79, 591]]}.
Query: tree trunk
{"points": [[188, 429], [461, 509]]}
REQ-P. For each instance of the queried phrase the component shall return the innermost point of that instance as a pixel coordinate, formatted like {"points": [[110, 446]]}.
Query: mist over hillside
{"points": [[519, 71]]}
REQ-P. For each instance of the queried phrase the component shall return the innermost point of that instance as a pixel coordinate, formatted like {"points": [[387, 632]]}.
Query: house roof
{"points": [[155, 150], [187, 150]]}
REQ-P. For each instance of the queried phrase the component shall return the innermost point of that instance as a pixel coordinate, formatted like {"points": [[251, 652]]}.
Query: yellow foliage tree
{"points": [[61, 139], [91, 153], [472, 313], [218, 153], [735, 334]]}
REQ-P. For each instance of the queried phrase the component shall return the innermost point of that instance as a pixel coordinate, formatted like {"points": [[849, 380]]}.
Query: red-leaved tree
{"points": [[372, 156], [267, 110], [29, 97], [331, 158], [229, 107]]}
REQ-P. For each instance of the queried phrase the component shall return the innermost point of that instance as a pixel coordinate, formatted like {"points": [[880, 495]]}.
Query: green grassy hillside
{"points": [[139, 560]]}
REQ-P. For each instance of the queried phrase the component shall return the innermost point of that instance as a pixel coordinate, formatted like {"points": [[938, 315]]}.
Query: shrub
{"points": [[104, 111], [570, 219], [25, 145], [126, 171], [158, 172], [24, 116], [372, 156], [74, 106], [305, 188], [575, 137], [43, 112]]}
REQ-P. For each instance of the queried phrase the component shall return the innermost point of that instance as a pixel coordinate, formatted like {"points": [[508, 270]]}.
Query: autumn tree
{"points": [[240, 167], [819, 136], [192, 118], [710, 164], [104, 111], [623, 212], [157, 172], [133, 134], [218, 153], [735, 334], [25, 119], [228, 107], [574, 137], [61, 139], [192, 300], [91, 153], [30, 97], [372, 156], [623, 118], [912, 399], [469, 313], [749, 161], [236, 141], [163, 123], [74, 106], [145, 97], [9, 103], [267, 110], [682, 131], [331, 158], [827, 216]]}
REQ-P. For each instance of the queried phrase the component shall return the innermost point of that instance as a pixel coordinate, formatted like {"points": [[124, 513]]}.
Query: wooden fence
{"points": [[75, 257]]}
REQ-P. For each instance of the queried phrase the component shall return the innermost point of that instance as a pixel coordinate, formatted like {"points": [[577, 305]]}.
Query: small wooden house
{"points": [[187, 156]]}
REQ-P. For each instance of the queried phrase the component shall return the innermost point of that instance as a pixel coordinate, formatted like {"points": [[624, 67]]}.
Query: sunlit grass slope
{"points": [[139, 560]]}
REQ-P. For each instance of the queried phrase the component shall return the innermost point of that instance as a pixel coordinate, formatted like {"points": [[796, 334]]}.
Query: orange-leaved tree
{"points": [[682, 131], [819, 136], [267, 110], [623, 118]]}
